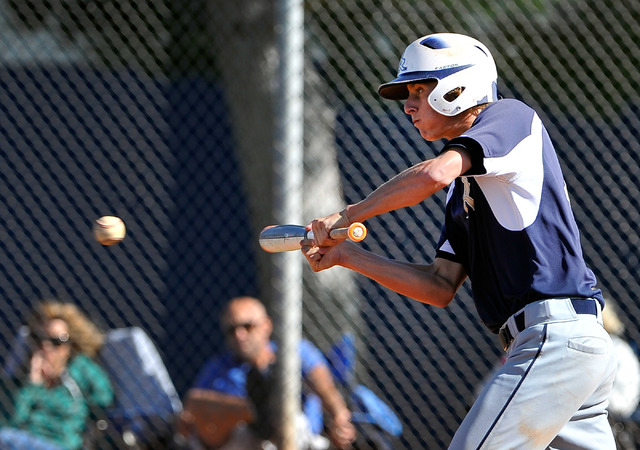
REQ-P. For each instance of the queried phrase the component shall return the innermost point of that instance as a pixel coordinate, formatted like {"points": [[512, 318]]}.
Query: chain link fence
{"points": [[161, 112]]}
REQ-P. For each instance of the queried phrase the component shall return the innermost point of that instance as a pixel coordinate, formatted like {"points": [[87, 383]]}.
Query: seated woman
{"points": [[53, 402]]}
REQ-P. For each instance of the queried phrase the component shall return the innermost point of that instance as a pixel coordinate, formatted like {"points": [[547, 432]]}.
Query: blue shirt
{"points": [[228, 374], [508, 220]]}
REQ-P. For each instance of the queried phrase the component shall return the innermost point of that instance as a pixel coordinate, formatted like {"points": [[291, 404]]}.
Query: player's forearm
{"points": [[408, 188], [419, 282]]}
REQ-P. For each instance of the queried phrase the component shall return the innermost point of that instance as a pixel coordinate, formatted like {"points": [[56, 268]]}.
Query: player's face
{"points": [[247, 329], [431, 124]]}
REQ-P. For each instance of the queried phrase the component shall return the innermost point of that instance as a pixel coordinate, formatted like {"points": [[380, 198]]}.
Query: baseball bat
{"points": [[285, 238]]}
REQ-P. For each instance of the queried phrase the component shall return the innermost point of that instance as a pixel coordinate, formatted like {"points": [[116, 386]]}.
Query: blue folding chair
{"points": [[16, 362], [375, 421], [146, 402]]}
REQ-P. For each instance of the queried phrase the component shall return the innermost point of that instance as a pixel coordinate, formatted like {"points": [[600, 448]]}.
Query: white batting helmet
{"points": [[455, 61]]}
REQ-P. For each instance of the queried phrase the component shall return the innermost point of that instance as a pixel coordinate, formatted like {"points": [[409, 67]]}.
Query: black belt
{"points": [[580, 305]]}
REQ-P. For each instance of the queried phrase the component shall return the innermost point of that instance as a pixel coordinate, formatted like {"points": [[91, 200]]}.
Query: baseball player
{"points": [[509, 228]]}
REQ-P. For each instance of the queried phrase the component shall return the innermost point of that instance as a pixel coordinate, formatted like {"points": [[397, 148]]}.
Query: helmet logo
{"points": [[402, 66]]}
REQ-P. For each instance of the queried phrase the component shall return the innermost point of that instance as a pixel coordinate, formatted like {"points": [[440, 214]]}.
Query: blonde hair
{"points": [[84, 335]]}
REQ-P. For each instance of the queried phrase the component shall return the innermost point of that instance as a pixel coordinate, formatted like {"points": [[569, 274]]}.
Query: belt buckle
{"points": [[505, 337]]}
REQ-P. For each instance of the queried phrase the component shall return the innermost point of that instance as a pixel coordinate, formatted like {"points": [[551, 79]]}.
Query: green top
{"points": [[60, 413]]}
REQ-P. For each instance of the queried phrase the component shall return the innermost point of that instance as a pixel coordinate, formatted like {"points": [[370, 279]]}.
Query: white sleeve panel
{"points": [[513, 183]]}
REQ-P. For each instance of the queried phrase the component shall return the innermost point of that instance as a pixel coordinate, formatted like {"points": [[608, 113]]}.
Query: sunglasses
{"points": [[56, 341], [247, 327]]}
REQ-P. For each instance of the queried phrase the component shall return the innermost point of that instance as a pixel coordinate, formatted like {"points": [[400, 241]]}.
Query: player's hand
{"points": [[323, 225], [322, 258]]}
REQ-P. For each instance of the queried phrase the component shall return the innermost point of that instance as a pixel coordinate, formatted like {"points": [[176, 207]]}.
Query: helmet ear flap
{"points": [[453, 93], [461, 91], [447, 97]]}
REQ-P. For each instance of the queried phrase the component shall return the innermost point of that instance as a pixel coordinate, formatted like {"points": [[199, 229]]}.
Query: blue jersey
{"points": [[508, 219]]}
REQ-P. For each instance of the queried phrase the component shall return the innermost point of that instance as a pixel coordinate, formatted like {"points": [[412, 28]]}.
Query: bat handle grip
{"points": [[355, 232]]}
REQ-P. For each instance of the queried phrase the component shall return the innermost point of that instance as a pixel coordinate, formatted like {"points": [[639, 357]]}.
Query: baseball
{"points": [[109, 230]]}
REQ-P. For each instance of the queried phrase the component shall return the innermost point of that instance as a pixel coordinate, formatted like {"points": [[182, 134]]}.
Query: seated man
{"points": [[245, 371]]}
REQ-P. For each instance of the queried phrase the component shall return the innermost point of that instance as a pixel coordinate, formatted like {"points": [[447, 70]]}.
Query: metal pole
{"points": [[288, 210]]}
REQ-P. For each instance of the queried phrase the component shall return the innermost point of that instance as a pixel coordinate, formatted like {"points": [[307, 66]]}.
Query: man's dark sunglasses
{"points": [[247, 326]]}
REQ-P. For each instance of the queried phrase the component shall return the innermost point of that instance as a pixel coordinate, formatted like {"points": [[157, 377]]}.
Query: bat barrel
{"points": [[282, 238]]}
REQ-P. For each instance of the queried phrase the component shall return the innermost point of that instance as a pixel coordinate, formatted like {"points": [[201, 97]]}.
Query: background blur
{"points": [[161, 112]]}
